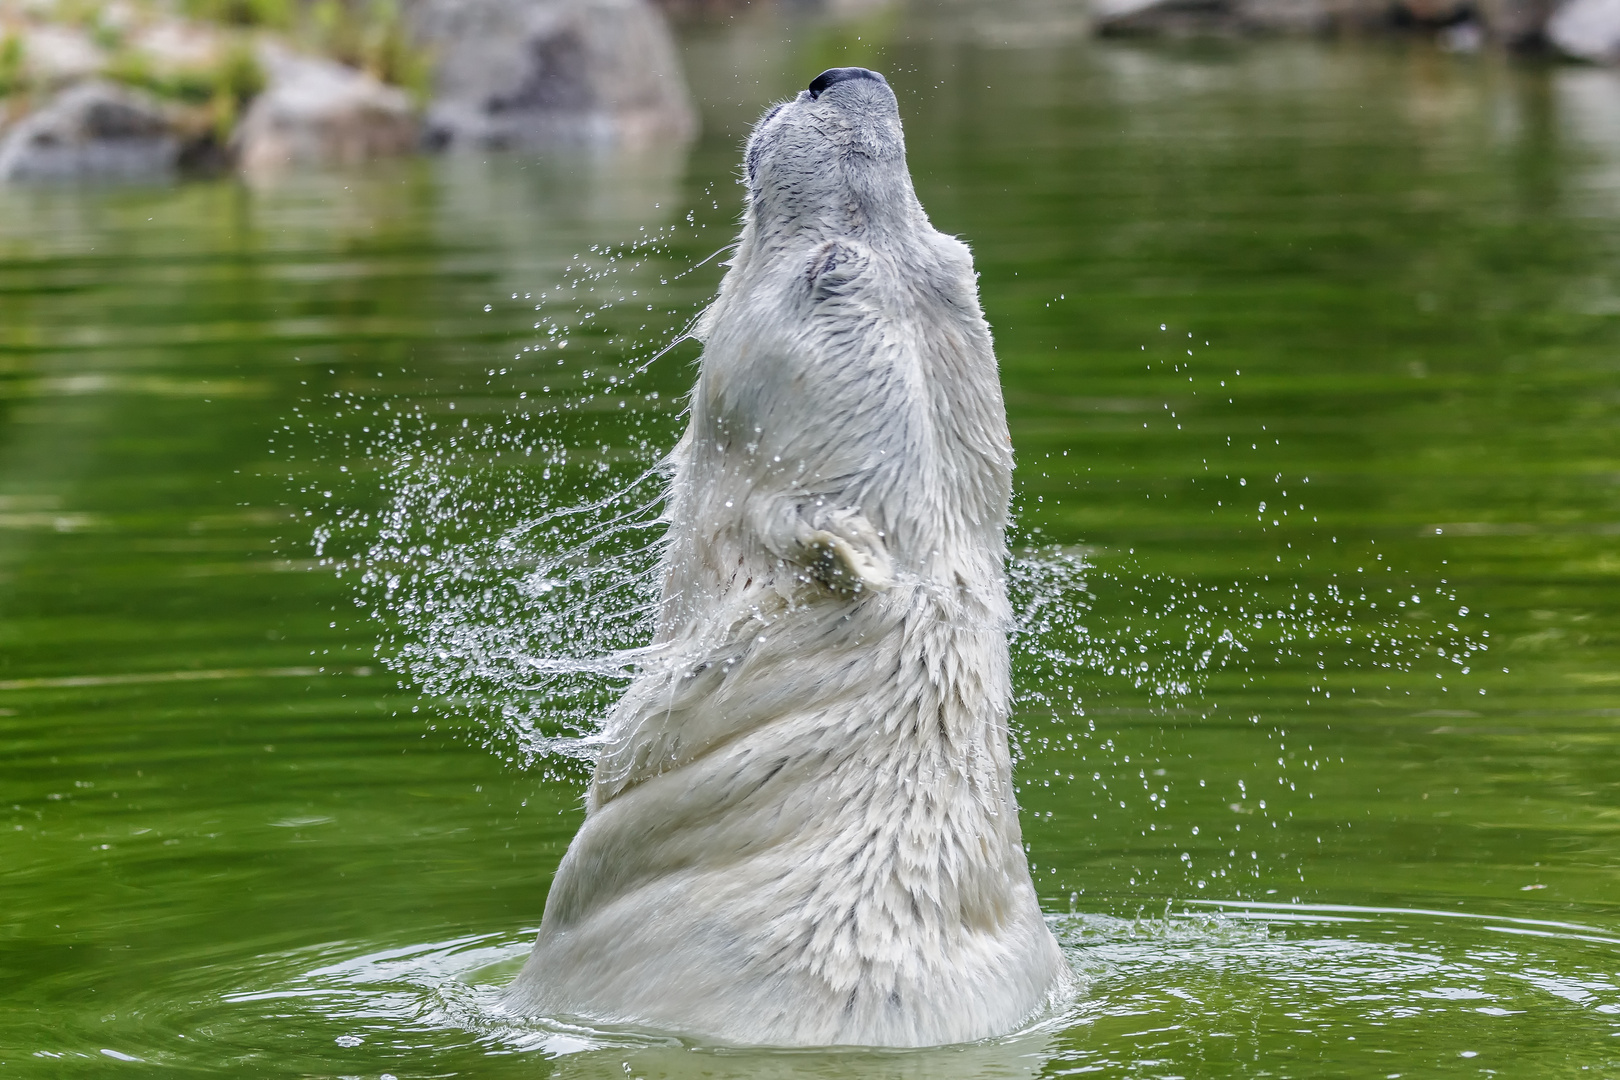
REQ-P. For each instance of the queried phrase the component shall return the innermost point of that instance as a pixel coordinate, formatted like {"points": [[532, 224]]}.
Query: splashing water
{"points": [[1082, 627], [508, 545], [507, 541]]}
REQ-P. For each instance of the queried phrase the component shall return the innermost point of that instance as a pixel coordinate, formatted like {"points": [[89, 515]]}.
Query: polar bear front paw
{"points": [[844, 568]]}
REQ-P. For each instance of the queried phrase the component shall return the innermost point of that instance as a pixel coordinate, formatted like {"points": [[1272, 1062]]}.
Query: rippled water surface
{"points": [[324, 523]]}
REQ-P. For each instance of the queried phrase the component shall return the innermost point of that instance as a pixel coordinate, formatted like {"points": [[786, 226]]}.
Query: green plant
{"points": [[11, 64], [106, 35], [369, 34], [224, 88], [239, 80], [275, 14], [388, 52]]}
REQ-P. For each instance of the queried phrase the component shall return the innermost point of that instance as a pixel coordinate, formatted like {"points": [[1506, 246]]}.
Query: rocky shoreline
{"points": [[145, 90], [149, 89], [1583, 30]]}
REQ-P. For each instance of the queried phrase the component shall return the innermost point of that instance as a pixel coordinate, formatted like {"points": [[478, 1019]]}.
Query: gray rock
{"points": [[319, 113], [56, 54], [95, 130], [1232, 17], [532, 73], [1191, 17], [1587, 30], [1460, 25]]}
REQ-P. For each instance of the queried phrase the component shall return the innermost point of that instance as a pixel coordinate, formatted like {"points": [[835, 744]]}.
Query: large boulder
{"points": [[1192, 17], [55, 53], [1461, 24], [168, 47], [98, 130], [1587, 30], [533, 73], [318, 113]]}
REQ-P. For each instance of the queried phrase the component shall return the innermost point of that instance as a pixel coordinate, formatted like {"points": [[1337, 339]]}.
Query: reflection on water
{"points": [[1309, 359]]}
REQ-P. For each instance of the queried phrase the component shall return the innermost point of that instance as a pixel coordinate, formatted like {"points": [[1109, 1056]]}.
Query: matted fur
{"points": [[802, 830]]}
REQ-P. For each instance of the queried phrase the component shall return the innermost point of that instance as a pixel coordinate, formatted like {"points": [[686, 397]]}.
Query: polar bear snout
{"points": [[833, 76], [832, 160]]}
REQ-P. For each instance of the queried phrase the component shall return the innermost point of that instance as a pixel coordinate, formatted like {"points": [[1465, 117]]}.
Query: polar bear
{"points": [[801, 830]]}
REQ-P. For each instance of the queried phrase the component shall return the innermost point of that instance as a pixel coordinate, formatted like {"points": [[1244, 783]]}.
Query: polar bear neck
{"points": [[847, 371]]}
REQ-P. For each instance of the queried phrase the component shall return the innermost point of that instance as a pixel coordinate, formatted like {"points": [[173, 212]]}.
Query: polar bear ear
{"points": [[834, 266]]}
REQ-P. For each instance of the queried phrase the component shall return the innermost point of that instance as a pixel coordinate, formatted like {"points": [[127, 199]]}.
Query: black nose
{"points": [[833, 76]]}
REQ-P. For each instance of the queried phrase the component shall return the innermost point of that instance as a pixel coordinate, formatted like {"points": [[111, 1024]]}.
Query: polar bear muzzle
{"points": [[832, 158], [832, 76]]}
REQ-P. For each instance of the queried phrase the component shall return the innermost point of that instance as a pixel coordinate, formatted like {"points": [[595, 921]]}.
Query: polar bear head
{"points": [[831, 162]]}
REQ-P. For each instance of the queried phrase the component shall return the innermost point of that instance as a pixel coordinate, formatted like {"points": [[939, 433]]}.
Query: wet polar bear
{"points": [[801, 830]]}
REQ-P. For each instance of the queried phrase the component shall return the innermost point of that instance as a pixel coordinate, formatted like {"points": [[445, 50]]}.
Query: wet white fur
{"points": [[802, 830]]}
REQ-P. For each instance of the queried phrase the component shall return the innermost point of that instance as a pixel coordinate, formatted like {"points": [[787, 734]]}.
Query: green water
{"points": [[259, 816]]}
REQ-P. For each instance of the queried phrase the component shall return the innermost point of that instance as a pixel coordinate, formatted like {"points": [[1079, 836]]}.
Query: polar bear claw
{"points": [[843, 568]]}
